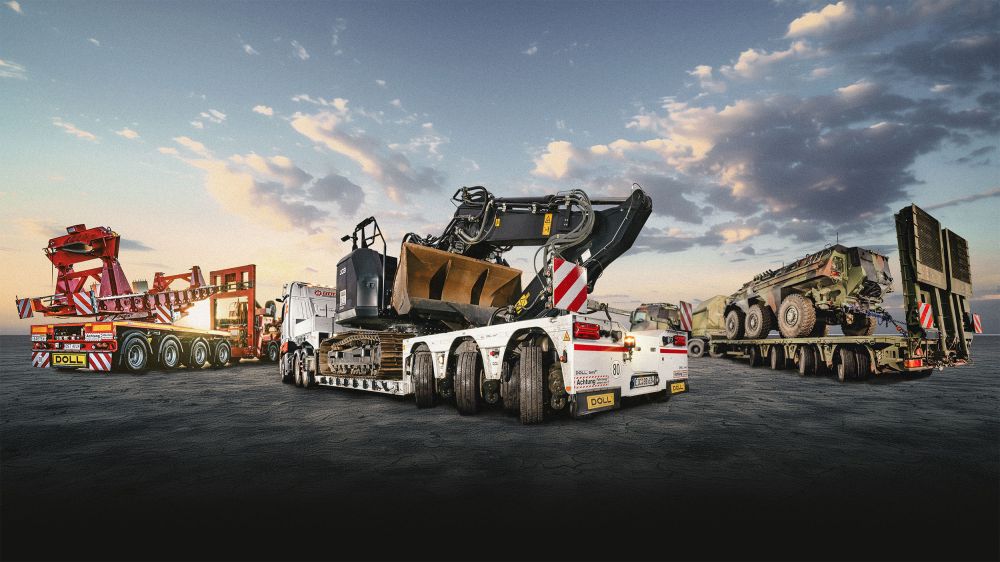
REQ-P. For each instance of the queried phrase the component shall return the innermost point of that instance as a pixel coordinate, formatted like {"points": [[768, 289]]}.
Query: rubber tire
{"points": [[423, 379], [468, 373], [716, 351], [753, 356], [803, 312], [820, 330], [272, 352], [166, 344], [864, 364], [222, 354], [510, 386], [297, 369], [531, 386], [138, 344], [734, 324], [776, 356], [858, 329], [287, 375], [308, 379], [847, 364], [198, 344], [807, 361], [696, 348], [759, 317]]}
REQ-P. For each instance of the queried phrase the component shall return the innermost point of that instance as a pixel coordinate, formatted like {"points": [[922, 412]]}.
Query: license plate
{"points": [[677, 387], [69, 359], [639, 381], [600, 401], [72, 347]]}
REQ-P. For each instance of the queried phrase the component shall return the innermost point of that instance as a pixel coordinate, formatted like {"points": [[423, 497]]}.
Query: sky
{"points": [[223, 133]]}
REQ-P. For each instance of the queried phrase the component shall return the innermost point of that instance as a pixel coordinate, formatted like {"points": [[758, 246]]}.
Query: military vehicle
{"points": [[707, 322], [656, 316], [837, 285]]}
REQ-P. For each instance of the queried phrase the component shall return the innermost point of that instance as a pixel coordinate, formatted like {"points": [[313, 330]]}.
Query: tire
{"points": [[531, 386], [168, 356], [716, 351], [758, 322], [199, 354], [272, 352], [734, 324], [509, 386], [423, 379], [864, 364], [796, 316], [285, 370], [807, 361], [819, 330], [696, 348], [863, 326], [847, 364], [135, 353], [297, 369], [308, 378], [753, 356], [222, 354], [468, 373], [776, 357]]}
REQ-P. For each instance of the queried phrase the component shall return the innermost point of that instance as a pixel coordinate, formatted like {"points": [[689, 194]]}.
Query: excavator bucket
{"points": [[441, 284]]}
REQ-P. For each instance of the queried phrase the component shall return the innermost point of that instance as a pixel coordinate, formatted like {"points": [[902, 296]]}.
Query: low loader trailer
{"points": [[939, 327]]}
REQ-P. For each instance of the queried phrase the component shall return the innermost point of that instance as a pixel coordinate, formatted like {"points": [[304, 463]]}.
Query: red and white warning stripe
{"points": [[926, 315], [685, 316], [99, 361], [24, 308], [84, 303], [40, 358], [570, 282], [977, 324], [162, 314]]}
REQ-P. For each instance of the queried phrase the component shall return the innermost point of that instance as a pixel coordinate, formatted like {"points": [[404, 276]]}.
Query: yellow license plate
{"points": [[598, 401], [69, 359], [677, 387]]}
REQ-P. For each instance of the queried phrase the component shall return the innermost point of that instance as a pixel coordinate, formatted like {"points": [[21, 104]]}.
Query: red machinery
{"points": [[257, 336]]}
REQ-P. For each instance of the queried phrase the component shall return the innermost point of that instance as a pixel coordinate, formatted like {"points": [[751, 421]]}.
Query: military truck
{"points": [[707, 323], [656, 316], [837, 285]]}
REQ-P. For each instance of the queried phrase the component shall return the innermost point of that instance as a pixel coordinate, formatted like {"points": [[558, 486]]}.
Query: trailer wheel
{"points": [[308, 378], [423, 379], [135, 353], [199, 354], [716, 351], [847, 364], [864, 364], [169, 354], [734, 324], [222, 354], [285, 369], [796, 316], [807, 361], [696, 348], [509, 386], [297, 368], [272, 352], [531, 386], [753, 356], [468, 372], [777, 357], [758, 322]]}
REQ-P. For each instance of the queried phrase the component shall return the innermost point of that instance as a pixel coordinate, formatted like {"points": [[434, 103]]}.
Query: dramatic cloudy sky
{"points": [[223, 133]]}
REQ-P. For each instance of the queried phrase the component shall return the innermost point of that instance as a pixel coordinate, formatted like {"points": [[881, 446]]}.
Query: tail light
{"points": [[913, 363], [680, 341], [629, 342], [586, 331]]}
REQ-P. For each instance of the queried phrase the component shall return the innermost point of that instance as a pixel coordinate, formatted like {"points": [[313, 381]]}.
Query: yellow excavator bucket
{"points": [[437, 282]]}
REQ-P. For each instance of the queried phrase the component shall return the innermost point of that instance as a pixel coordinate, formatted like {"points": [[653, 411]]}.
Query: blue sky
{"points": [[222, 133]]}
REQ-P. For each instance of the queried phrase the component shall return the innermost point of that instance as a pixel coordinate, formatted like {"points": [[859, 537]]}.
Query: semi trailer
{"points": [[937, 332], [114, 325], [450, 320]]}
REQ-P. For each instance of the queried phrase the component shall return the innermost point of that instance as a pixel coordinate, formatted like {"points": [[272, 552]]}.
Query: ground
{"points": [[750, 464]]}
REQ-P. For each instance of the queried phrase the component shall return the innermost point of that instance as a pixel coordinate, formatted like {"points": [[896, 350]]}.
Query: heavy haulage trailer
{"points": [[449, 320], [123, 326], [937, 285]]}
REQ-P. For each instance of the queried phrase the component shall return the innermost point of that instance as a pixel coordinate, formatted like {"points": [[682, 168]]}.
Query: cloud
{"points": [[14, 5], [192, 145], [213, 115], [753, 64], [134, 245], [300, 51], [822, 22], [531, 50], [263, 110], [978, 157], [248, 49], [10, 69], [965, 60], [127, 133], [334, 187], [339, 26], [197, 124], [380, 83], [340, 104], [427, 143], [168, 150], [707, 80], [989, 194], [73, 130], [94, 41]]}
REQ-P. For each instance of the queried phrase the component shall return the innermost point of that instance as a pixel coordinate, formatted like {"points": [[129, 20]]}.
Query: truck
{"points": [[117, 326], [449, 319], [706, 324], [938, 331]]}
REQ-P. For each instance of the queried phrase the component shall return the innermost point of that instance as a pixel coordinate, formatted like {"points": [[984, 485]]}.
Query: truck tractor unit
{"points": [[450, 320], [837, 285], [937, 285], [115, 325], [306, 318]]}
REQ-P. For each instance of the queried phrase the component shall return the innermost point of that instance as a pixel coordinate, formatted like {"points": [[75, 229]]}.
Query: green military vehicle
{"points": [[837, 285], [655, 316]]}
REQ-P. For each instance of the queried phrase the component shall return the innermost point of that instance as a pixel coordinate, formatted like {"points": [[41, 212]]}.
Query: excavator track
{"points": [[363, 354]]}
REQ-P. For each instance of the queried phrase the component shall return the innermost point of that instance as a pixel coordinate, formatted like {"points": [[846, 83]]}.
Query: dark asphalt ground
{"points": [[750, 464]]}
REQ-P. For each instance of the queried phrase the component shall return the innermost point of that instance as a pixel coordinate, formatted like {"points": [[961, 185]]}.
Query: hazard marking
{"points": [[926, 315], [40, 358], [24, 308], [977, 324], [84, 303], [686, 316], [99, 361], [570, 282], [162, 314]]}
